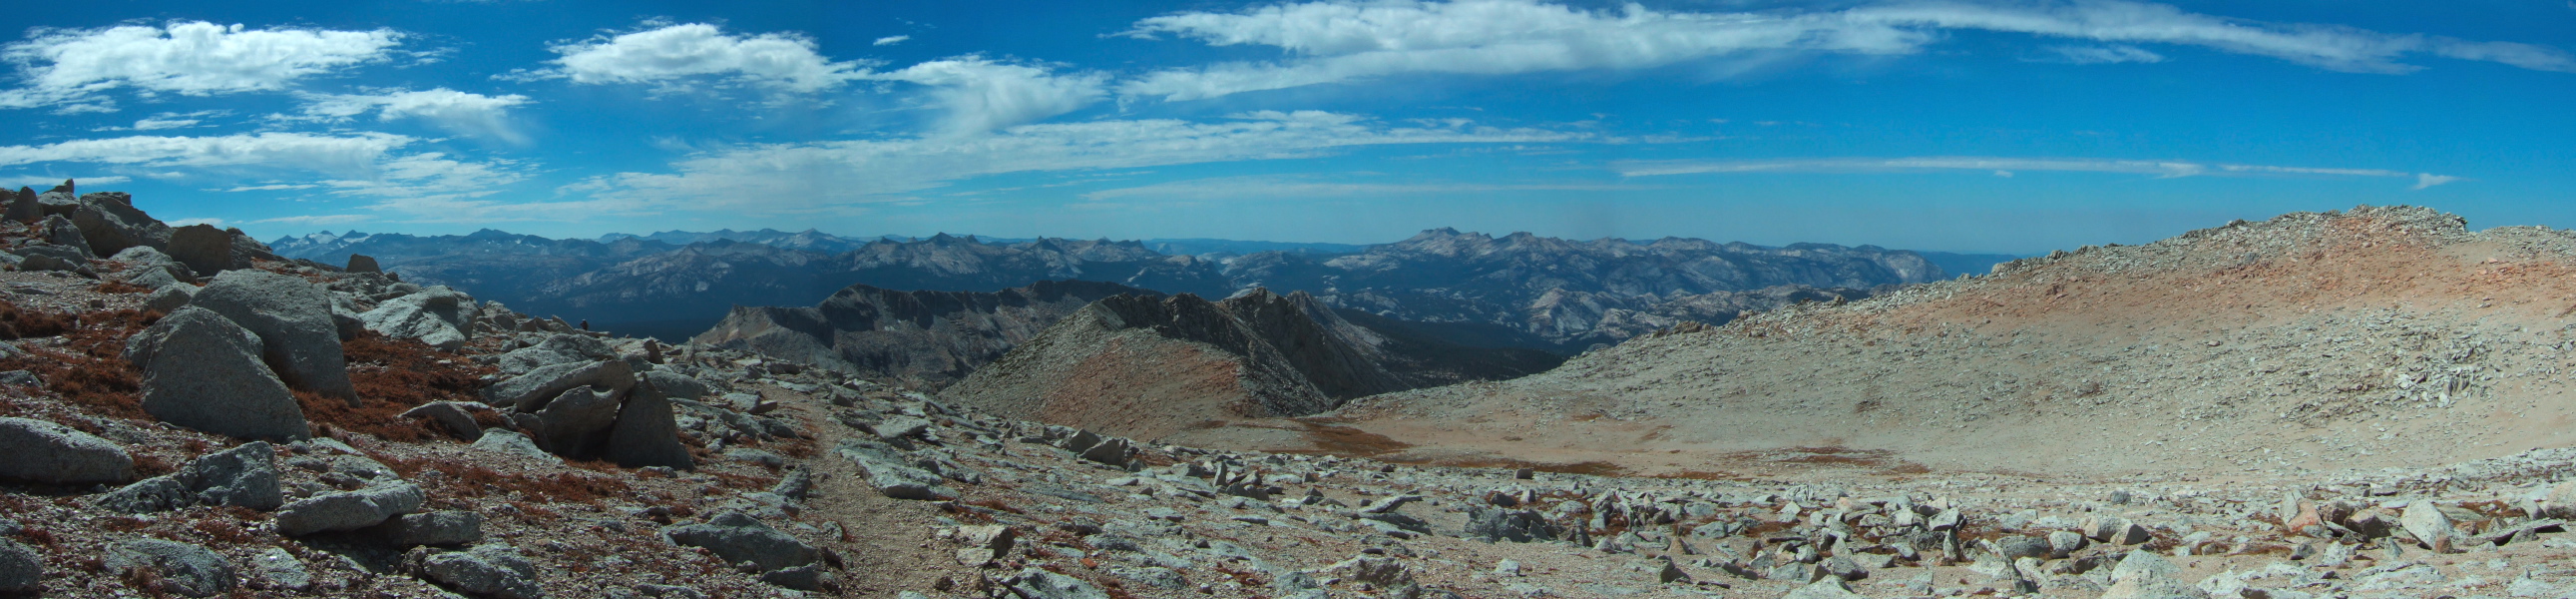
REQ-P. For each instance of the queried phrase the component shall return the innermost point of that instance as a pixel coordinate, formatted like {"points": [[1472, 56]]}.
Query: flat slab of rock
{"points": [[293, 320], [492, 570], [526, 392], [455, 527], [737, 538], [45, 452], [350, 510], [203, 371]]}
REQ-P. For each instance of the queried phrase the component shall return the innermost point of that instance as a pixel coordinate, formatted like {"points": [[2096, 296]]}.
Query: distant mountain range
{"points": [[1529, 291]]}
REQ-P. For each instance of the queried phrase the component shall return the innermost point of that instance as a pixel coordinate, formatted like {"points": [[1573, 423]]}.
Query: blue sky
{"points": [[2006, 126]]}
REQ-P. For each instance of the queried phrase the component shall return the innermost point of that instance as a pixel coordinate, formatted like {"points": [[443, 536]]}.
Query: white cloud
{"points": [[269, 187], [669, 54], [44, 182], [358, 165], [892, 40], [2002, 167], [1344, 40], [461, 112], [812, 175], [2423, 180], [980, 95], [2104, 54], [72, 66], [182, 222]]}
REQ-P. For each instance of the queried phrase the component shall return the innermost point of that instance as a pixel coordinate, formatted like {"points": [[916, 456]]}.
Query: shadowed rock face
{"points": [[1148, 367], [931, 338]]}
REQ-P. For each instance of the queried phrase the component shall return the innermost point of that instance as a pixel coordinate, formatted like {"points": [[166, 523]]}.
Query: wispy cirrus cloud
{"points": [[1298, 187], [672, 55], [2005, 167], [1345, 40], [460, 112]]}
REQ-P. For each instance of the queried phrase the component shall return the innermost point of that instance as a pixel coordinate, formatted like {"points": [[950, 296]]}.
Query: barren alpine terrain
{"points": [[2359, 404]]}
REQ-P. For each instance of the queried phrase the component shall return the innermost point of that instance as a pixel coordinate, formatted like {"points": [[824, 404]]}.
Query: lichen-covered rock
{"points": [[45, 452], [491, 570], [558, 349], [244, 476], [575, 423], [293, 320], [455, 527], [526, 392], [21, 570], [202, 371]]}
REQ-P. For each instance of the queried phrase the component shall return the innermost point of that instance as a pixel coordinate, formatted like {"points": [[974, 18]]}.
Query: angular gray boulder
{"points": [[492, 570], [204, 248], [21, 570], [169, 298], [244, 476], [737, 538], [435, 528], [437, 316], [182, 568], [23, 207], [558, 349], [647, 432], [350, 510], [362, 263], [201, 371], [45, 452], [60, 231], [575, 423], [112, 224], [293, 320], [52, 257], [452, 416], [529, 391]]}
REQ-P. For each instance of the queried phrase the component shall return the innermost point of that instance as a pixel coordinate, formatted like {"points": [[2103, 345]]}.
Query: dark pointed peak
{"points": [[943, 238]]}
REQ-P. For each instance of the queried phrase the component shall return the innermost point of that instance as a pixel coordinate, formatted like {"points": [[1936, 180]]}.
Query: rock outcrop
{"points": [[202, 371], [45, 452], [292, 317], [933, 338]]}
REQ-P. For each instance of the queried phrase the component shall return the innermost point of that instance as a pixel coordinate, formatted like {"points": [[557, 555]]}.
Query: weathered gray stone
{"points": [[647, 432], [170, 298], [529, 392], [202, 371], [1517, 526], [204, 248], [1033, 583], [350, 510], [808, 577], [575, 423], [1112, 451], [45, 452], [558, 349], [452, 416], [900, 427], [244, 476], [156, 494], [511, 442], [281, 569], [892, 476], [182, 568], [60, 231], [112, 224], [437, 316], [23, 207], [1824, 588], [2429, 526], [490, 570], [362, 263], [454, 527], [293, 320], [676, 385], [21, 570], [737, 538], [52, 257]]}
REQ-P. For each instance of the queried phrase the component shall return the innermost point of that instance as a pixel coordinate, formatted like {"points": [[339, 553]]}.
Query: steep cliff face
{"points": [[924, 338], [1151, 367]]}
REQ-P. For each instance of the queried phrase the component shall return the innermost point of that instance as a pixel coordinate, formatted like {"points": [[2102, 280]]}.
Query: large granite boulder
{"points": [[737, 538], [112, 224], [350, 510], [23, 207], [181, 568], [647, 432], [45, 452], [244, 476], [558, 349], [293, 320], [201, 371], [575, 423], [438, 316], [528, 392], [203, 248]]}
